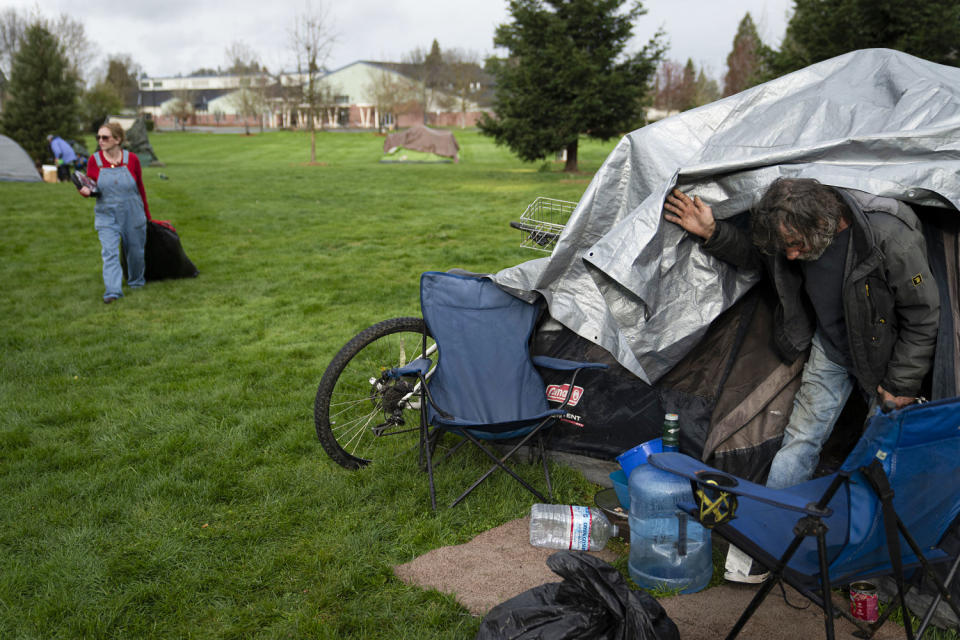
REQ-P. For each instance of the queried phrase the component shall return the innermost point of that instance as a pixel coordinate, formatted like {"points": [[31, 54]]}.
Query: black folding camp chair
{"points": [[485, 386], [884, 512]]}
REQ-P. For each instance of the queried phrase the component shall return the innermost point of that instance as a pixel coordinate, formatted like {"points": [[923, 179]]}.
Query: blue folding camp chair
{"points": [[484, 386], [884, 512]]}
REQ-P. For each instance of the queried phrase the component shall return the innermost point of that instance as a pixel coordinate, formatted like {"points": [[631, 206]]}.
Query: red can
{"points": [[864, 604]]}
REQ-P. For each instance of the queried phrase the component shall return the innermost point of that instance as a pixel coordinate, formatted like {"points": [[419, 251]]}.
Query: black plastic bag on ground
{"points": [[593, 601], [164, 255]]}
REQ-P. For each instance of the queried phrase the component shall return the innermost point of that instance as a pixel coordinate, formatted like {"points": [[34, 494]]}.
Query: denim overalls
{"points": [[118, 214]]}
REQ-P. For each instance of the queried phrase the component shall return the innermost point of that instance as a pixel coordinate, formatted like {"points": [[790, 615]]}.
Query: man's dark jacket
{"points": [[890, 300]]}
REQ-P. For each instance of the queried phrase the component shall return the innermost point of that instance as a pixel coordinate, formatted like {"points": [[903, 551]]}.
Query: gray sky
{"points": [[178, 36]]}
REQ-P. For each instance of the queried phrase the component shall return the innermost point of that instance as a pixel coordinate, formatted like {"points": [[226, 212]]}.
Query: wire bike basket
{"points": [[542, 222]]}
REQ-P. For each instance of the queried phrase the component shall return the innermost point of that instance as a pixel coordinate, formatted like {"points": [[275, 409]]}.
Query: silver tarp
{"points": [[876, 120]]}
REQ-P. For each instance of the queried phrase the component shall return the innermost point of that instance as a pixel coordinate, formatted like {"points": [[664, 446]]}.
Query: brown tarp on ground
{"points": [[422, 138]]}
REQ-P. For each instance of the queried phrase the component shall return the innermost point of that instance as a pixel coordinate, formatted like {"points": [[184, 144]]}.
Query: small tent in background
{"points": [[137, 140], [15, 164], [424, 139]]}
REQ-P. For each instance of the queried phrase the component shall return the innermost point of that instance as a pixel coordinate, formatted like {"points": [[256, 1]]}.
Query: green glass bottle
{"points": [[671, 432]]}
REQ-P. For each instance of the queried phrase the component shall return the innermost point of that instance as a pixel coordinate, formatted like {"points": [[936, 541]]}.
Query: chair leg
{"points": [[499, 464], [936, 601], [802, 530], [426, 449], [825, 580], [453, 450], [546, 469]]}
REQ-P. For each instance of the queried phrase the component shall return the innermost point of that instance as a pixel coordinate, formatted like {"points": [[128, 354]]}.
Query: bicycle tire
{"points": [[368, 423]]}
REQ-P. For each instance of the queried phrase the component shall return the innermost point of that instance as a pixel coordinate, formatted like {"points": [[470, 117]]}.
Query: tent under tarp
{"points": [[137, 140], [683, 330], [425, 139], [15, 163]]}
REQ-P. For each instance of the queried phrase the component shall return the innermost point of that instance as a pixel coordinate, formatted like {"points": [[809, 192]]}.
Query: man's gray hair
{"points": [[802, 207]]}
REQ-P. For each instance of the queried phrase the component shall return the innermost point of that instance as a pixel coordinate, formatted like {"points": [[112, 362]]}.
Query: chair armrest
{"points": [[687, 467], [418, 367], [559, 364]]}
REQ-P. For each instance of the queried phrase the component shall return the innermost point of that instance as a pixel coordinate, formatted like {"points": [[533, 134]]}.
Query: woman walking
{"points": [[121, 210]]}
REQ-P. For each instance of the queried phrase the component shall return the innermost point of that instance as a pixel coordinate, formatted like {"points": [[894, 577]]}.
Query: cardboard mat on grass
{"points": [[500, 563]]}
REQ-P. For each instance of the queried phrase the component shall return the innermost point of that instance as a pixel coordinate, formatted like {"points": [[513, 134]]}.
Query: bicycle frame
{"points": [[406, 402]]}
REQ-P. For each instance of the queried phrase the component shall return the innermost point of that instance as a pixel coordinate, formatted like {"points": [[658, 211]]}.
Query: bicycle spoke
{"points": [[357, 405]]}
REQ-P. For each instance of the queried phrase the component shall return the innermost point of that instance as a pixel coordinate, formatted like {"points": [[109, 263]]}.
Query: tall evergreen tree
{"points": [[745, 62], [821, 29], [42, 94], [434, 66], [567, 74], [707, 89], [689, 86]]}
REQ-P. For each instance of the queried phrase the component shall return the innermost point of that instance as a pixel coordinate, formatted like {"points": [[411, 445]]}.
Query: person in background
{"points": [[853, 286], [120, 212], [64, 156]]}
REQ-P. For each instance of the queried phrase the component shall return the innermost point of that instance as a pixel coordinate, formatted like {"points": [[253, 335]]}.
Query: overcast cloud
{"points": [[178, 36]]}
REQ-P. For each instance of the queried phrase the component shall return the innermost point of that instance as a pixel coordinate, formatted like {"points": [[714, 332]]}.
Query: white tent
{"points": [[15, 164]]}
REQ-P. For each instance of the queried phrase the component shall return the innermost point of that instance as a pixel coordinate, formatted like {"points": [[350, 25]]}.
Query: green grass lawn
{"points": [[159, 471]]}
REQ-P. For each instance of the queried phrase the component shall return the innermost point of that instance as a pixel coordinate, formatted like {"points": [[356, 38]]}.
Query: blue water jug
{"points": [[668, 549]]}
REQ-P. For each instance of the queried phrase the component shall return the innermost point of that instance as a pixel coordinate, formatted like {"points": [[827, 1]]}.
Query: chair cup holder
{"points": [[715, 505]]}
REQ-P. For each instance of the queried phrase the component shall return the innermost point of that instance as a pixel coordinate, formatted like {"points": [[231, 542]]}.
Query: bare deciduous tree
{"points": [[68, 31], [245, 101], [311, 39], [669, 89], [242, 59], [464, 75], [390, 93], [13, 24], [680, 87], [250, 98], [181, 107], [425, 70], [72, 37]]}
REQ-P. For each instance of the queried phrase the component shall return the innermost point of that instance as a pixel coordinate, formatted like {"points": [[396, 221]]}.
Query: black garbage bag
{"points": [[164, 254], [593, 602]]}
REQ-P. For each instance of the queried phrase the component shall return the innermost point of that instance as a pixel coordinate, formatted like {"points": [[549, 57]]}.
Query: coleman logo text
{"points": [[558, 393]]}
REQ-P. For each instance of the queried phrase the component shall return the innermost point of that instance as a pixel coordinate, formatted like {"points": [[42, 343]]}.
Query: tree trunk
{"points": [[571, 166]]}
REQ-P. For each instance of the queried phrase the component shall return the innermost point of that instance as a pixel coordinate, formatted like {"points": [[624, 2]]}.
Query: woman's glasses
{"points": [[104, 137]]}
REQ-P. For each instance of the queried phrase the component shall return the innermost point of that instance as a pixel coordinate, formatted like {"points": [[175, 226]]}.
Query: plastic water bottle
{"points": [[564, 526], [668, 549]]}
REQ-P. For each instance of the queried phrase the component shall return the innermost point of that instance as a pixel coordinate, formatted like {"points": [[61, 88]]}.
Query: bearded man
{"points": [[854, 287]]}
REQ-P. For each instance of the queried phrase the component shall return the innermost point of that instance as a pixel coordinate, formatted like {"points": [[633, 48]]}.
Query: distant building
{"points": [[360, 95]]}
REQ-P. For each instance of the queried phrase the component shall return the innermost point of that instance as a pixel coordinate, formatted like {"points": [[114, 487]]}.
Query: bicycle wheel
{"points": [[362, 416]]}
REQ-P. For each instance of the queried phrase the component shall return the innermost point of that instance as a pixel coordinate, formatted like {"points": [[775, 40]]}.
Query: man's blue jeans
{"points": [[824, 389]]}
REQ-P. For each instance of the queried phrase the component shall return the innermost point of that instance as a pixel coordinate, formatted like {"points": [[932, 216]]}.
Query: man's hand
{"points": [[899, 401], [85, 192], [693, 215]]}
